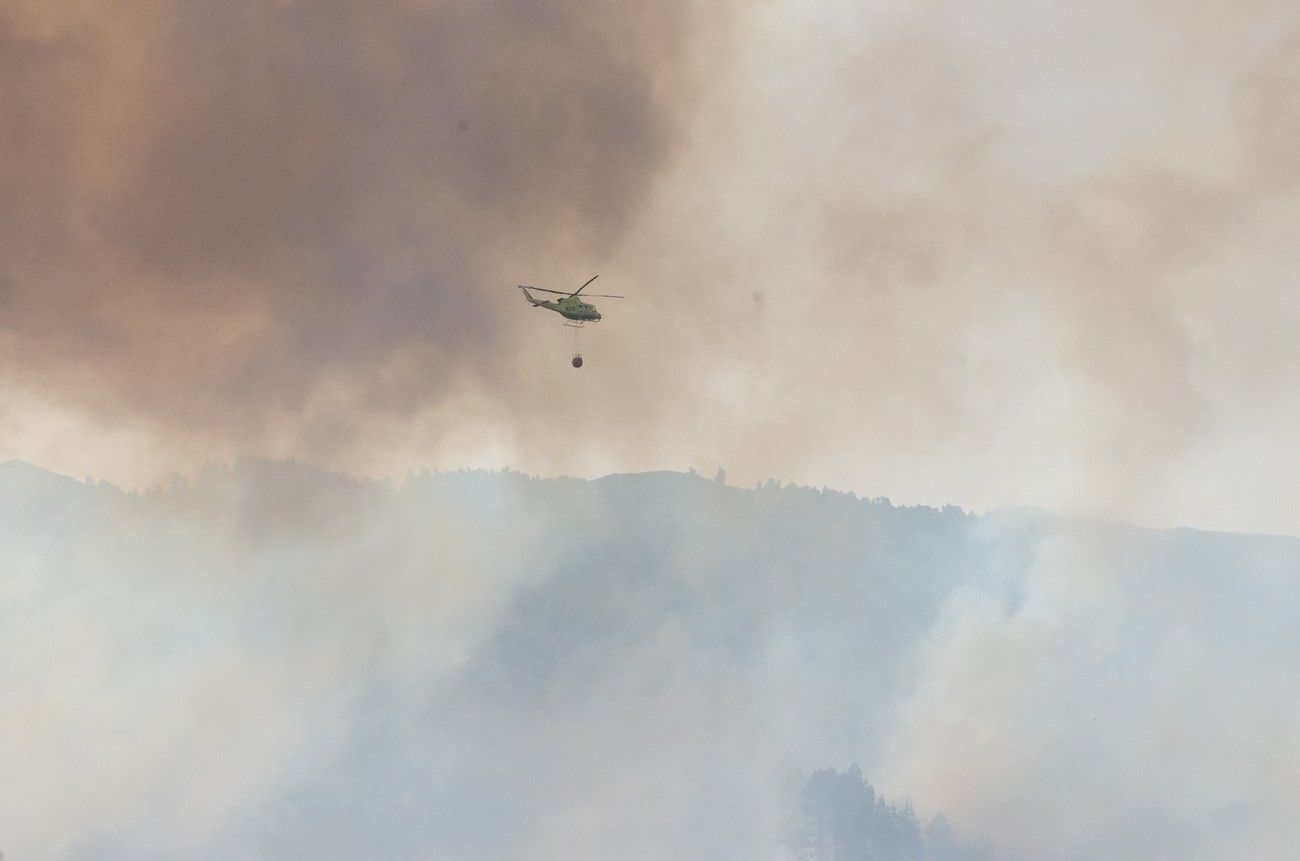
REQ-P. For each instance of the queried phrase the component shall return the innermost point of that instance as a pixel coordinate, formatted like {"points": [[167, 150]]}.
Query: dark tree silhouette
{"points": [[845, 820]]}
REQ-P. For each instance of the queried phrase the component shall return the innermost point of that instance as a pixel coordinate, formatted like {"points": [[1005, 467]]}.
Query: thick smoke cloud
{"points": [[213, 211], [984, 253]]}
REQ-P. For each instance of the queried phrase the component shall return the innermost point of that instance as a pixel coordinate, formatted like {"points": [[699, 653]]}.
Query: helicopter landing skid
{"points": [[574, 324]]}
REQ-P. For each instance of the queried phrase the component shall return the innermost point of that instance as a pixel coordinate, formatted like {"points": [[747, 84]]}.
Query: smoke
{"points": [[1126, 701], [1010, 256], [942, 253], [224, 215], [278, 661]]}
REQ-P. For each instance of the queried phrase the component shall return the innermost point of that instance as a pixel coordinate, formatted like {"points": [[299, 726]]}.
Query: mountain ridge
{"points": [[263, 466]]}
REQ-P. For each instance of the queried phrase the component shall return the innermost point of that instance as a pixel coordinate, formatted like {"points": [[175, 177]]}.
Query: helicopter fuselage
{"points": [[570, 307]]}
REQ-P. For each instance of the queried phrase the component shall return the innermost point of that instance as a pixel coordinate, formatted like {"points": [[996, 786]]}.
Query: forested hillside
{"points": [[277, 661]]}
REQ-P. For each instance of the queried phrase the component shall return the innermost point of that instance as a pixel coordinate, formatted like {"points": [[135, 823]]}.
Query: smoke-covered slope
{"points": [[283, 662]]}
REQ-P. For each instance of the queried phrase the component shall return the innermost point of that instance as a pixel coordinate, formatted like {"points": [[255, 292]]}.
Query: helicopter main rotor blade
{"points": [[562, 293], [584, 286], [544, 290]]}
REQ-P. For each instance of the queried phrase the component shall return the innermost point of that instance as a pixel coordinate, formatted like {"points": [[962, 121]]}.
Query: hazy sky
{"points": [[985, 253]]}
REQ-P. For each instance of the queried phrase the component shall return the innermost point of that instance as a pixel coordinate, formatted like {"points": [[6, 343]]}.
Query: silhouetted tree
{"points": [[847, 821]]}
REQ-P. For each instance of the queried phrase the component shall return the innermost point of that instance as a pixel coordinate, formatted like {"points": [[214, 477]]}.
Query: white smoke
{"points": [[281, 661]]}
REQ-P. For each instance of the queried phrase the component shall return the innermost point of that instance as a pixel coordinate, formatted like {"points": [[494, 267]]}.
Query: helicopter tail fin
{"points": [[529, 296]]}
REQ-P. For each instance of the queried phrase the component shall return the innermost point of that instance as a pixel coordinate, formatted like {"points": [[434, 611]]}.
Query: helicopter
{"points": [[576, 312], [570, 307]]}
